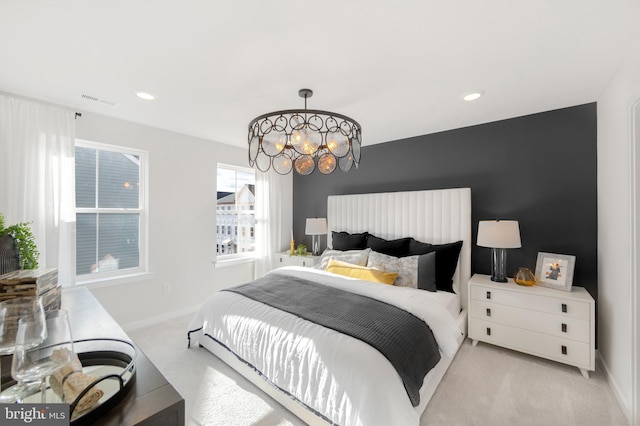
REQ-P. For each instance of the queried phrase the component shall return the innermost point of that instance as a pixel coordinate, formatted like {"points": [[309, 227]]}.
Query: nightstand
{"points": [[285, 259], [539, 321]]}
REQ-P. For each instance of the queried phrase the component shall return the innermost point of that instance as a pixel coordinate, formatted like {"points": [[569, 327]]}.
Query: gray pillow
{"points": [[406, 267], [427, 271], [418, 271], [356, 257]]}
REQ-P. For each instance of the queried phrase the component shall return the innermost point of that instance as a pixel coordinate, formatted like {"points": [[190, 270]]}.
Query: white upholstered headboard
{"points": [[432, 216]]}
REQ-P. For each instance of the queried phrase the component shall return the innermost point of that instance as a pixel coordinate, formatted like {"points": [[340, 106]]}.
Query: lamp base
{"points": [[315, 243], [498, 265]]}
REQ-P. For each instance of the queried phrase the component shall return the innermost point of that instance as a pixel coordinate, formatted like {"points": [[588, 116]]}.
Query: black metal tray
{"points": [[112, 362]]}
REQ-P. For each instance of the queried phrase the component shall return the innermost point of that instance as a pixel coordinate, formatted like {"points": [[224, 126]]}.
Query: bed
{"points": [[323, 375]]}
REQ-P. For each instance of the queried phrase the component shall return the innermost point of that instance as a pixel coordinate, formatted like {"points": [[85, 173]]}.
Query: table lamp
{"points": [[316, 227], [499, 235]]}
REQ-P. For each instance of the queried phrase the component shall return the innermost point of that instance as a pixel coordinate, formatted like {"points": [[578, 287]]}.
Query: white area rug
{"points": [[485, 385]]}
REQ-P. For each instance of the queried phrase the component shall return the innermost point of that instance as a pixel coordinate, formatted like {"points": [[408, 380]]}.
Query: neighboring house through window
{"points": [[110, 210], [235, 210]]}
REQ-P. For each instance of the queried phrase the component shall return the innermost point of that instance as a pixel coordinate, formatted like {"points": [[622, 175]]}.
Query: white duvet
{"points": [[342, 378]]}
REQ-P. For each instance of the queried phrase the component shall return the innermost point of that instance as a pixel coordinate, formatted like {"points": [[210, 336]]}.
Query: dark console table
{"points": [[152, 400]]}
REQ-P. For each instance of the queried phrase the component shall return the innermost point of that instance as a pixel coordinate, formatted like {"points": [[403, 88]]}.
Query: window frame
{"points": [[222, 258], [142, 211]]}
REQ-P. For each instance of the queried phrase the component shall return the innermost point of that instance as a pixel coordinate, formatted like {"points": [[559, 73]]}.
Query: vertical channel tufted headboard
{"points": [[431, 216]]}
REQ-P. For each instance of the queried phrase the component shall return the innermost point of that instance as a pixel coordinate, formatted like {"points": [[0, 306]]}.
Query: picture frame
{"points": [[555, 270]]}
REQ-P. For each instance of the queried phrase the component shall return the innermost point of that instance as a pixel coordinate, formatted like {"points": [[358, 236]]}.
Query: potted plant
{"points": [[25, 241], [301, 250]]}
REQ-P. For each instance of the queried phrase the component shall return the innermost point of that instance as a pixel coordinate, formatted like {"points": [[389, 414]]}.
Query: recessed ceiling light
{"points": [[472, 96], [145, 95]]}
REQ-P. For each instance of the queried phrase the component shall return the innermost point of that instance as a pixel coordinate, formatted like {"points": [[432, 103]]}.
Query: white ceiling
{"points": [[397, 67]]}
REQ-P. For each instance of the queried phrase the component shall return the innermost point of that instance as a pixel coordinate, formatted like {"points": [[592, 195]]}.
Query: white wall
{"points": [[182, 216], [615, 240]]}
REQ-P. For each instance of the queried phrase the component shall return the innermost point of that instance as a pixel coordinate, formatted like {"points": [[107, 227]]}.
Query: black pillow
{"points": [[346, 241], [396, 248], [418, 247], [446, 261], [427, 272]]}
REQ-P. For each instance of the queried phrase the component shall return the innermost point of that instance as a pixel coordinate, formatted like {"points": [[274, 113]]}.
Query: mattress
{"points": [[336, 376]]}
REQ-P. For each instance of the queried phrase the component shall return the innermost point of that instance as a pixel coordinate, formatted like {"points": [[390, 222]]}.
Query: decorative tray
{"points": [[112, 363]]}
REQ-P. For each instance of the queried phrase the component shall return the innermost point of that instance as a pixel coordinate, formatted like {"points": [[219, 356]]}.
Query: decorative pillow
{"points": [[397, 248], [361, 272], [356, 257], [446, 261], [427, 271], [346, 241], [406, 267]]}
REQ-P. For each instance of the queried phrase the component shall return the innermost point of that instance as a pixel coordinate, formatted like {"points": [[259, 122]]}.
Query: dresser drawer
{"points": [[559, 306], [555, 325], [284, 259], [551, 347]]}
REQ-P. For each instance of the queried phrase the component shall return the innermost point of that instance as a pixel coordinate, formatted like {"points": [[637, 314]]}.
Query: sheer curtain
{"points": [[274, 205], [37, 170]]}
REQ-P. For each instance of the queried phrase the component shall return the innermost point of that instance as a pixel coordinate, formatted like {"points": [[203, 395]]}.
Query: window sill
{"points": [[225, 263], [113, 281]]}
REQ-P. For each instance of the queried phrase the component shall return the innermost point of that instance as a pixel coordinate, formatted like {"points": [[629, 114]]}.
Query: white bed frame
{"points": [[433, 216]]}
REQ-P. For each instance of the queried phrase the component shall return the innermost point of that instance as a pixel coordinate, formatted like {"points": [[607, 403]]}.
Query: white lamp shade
{"points": [[316, 226], [499, 234]]}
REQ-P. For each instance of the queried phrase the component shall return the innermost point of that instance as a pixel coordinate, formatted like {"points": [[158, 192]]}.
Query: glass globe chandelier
{"points": [[304, 139]]}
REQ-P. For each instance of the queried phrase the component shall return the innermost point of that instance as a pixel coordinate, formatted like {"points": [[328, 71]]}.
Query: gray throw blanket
{"points": [[405, 340]]}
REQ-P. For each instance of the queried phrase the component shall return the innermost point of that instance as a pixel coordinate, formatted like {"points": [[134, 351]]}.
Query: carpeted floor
{"points": [[485, 385]]}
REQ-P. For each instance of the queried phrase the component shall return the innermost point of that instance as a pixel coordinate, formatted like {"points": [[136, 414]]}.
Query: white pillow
{"points": [[406, 267], [356, 257]]}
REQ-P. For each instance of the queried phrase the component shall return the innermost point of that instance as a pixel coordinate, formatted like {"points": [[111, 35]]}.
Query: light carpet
{"points": [[485, 385]]}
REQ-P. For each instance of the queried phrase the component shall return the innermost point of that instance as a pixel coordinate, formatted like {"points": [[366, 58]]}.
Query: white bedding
{"points": [[450, 301], [342, 378]]}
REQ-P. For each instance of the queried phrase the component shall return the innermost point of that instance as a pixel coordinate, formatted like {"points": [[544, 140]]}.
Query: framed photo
{"points": [[555, 270]]}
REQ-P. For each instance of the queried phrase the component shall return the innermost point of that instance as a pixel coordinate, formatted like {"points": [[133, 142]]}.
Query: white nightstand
{"points": [[285, 259], [540, 321]]}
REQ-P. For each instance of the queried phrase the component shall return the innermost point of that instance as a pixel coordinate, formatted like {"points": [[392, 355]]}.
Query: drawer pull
{"points": [[488, 312], [564, 308], [304, 263], [564, 327], [488, 331], [564, 350], [280, 260], [488, 295]]}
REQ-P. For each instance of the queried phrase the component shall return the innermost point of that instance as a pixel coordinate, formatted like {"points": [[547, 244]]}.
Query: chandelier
{"points": [[304, 139]]}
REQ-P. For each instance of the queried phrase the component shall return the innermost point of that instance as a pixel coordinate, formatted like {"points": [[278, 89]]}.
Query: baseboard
{"points": [[624, 404], [159, 318]]}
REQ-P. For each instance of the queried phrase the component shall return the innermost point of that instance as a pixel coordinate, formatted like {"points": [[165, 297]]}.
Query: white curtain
{"points": [[37, 171], [274, 204]]}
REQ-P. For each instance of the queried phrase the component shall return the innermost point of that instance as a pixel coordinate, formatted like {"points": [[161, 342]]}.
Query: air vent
{"points": [[97, 99]]}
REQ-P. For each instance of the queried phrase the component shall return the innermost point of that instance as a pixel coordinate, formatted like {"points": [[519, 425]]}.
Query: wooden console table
{"points": [[152, 400]]}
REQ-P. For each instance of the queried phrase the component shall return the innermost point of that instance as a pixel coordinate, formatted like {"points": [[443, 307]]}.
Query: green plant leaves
{"points": [[25, 241]]}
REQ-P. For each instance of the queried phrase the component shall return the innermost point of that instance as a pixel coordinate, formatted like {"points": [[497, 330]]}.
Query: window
{"points": [[235, 207], [110, 210]]}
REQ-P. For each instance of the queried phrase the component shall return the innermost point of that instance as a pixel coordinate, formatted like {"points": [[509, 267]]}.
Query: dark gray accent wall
{"points": [[538, 169]]}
